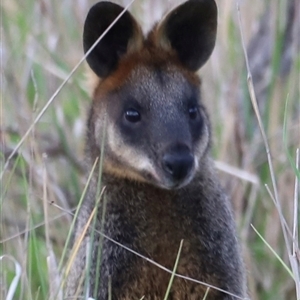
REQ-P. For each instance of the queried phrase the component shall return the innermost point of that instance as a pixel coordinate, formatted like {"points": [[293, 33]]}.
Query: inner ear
{"points": [[190, 30], [125, 35]]}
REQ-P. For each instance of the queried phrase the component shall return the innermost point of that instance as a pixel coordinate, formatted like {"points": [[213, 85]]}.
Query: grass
{"points": [[41, 45]]}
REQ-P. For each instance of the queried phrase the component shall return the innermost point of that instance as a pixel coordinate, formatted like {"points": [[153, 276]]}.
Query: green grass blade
{"points": [[274, 252], [174, 271]]}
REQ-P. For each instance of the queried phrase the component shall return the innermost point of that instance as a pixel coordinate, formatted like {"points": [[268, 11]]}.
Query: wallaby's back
{"points": [[148, 119]]}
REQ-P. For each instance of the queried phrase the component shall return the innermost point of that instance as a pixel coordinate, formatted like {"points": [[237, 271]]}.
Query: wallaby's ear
{"points": [[190, 30], [124, 36]]}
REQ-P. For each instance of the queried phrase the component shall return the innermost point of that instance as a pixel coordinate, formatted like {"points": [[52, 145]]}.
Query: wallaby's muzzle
{"points": [[178, 163]]}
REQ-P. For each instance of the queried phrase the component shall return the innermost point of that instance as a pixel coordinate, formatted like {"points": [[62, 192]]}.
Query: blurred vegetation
{"points": [[41, 44]]}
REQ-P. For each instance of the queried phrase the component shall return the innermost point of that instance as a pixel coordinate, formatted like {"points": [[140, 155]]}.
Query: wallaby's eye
{"points": [[193, 112], [132, 115]]}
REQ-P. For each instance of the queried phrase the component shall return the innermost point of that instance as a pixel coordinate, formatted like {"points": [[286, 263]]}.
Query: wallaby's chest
{"points": [[152, 219], [152, 226]]}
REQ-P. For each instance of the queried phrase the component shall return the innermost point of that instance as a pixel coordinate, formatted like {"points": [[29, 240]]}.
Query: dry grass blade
{"points": [[246, 176], [256, 110], [296, 207], [15, 281], [29, 229], [284, 220], [264, 136], [294, 257], [76, 213], [81, 237], [109, 289], [54, 276], [206, 293], [78, 242]]}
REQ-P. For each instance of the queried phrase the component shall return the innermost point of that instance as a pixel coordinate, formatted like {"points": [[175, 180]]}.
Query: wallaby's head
{"points": [[147, 112]]}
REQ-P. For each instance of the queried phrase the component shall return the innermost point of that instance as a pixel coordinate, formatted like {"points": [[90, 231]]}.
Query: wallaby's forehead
{"points": [[165, 77], [159, 83]]}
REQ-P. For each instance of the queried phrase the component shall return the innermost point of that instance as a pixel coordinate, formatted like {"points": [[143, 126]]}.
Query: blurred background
{"points": [[41, 42]]}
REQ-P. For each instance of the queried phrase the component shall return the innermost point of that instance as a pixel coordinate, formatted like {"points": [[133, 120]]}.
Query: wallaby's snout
{"points": [[178, 163]]}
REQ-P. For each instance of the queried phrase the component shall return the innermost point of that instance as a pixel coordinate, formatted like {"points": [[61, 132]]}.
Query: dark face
{"points": [[157, 130]]}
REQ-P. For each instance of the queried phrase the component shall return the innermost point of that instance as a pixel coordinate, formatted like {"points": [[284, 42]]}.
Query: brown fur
{"points": [[149, 205], [147, 55]]}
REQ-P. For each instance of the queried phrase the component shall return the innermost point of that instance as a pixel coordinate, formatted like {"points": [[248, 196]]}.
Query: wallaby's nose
{"points": [[178, 164]]}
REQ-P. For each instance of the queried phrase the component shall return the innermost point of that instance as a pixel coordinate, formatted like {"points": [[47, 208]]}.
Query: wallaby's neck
{"points": [[141, 196]]}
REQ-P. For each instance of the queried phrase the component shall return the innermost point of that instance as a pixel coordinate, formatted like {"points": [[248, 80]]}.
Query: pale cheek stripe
{"points": [[136, 160]]}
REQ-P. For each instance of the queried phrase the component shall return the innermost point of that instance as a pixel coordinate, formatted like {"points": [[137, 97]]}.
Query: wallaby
{"points": [[149, 124]]}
